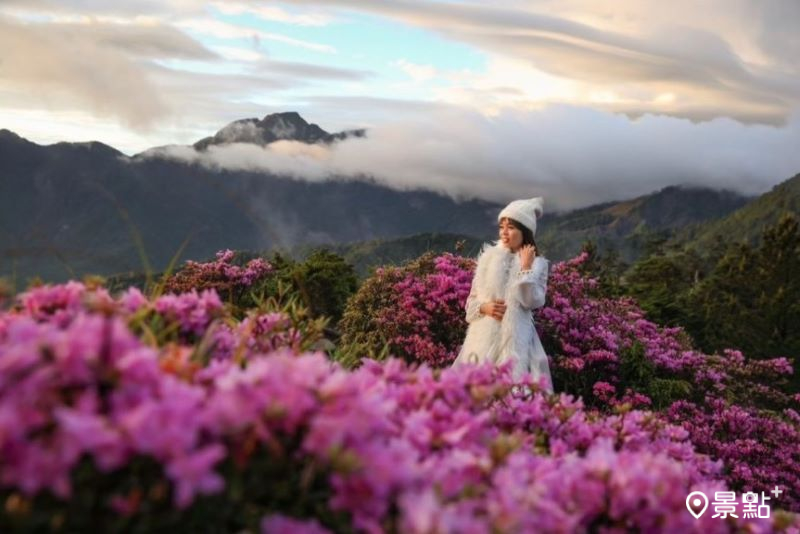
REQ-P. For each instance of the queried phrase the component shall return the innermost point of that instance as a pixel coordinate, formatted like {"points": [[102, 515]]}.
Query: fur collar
{"points": [[498, 264]]}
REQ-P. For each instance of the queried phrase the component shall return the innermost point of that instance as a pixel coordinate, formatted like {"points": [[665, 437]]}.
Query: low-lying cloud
{"points": [[572, 156]]}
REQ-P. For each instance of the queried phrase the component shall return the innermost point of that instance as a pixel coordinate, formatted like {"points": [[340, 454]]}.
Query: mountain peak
{"points": [[89, 146], [291, 117], [8, 135], [288, 125]]}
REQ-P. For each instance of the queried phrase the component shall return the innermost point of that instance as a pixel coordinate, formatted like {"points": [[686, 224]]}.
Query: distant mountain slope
{"points": [[70, 209], [367, 255], [623, 225], [627, 225], [746, 223]]}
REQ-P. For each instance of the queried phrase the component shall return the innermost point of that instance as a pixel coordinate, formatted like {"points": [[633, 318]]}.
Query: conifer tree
{"points": [[751, 300]]}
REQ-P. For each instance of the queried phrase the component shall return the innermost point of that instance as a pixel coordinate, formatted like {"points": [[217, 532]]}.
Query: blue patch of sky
{"points": [[363, 42]]}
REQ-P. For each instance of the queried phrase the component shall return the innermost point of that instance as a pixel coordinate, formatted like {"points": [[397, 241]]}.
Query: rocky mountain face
{"points": [[288, 126]]}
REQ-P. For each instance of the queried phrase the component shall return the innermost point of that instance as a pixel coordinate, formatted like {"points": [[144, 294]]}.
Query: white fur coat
{"points": [[498, 276]]}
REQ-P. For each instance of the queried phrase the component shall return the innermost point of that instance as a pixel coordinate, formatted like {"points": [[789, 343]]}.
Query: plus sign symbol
{"points": [[777, 491]]}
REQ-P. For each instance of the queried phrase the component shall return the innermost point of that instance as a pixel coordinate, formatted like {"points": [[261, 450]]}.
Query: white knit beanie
{"points": [[524, 211]]}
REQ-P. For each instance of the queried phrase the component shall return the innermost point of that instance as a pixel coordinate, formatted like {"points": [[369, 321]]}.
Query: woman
{"points": [[510, 281]]}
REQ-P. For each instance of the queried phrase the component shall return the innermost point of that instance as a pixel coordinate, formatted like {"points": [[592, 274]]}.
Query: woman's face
{"points": [[510, 236]]}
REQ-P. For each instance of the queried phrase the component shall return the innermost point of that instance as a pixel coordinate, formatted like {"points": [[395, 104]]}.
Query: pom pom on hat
{"points": [[524, 211]]}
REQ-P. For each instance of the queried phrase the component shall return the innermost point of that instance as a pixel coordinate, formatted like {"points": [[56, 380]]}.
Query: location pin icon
{"points": [[697, 502]]}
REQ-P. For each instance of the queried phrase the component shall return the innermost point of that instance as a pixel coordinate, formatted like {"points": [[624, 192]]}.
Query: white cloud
{"points": [[235, 53], [101, 67], [98, 8], [217, 28], [146, 75], [505, 84], [721, 59], [225, 30], [316, 47], [274, 13], [572, 156], [419, 73]]}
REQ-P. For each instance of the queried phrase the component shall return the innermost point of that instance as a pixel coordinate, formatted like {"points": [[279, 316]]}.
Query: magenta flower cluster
{"points": [[229, 280], [245, 276], [589, 333], [390, 446], [607, 352], [424, 316], [733, 407], [76, 382], [92, 388], [193, 311]]}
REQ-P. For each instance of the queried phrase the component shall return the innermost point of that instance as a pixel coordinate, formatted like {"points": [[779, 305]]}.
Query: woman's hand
{"points": [[495, 309], [526, 255]]}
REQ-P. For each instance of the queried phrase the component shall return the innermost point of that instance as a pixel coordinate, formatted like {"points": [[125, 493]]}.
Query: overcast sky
{"points": [[578, 101]]}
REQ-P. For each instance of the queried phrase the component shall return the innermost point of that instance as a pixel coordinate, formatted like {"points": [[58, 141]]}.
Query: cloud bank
{"points": [[556, 153]]}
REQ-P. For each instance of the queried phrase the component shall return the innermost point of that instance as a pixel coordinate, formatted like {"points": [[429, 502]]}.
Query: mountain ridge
{"points": [[747, 223], [67, 209], [627, 226]]}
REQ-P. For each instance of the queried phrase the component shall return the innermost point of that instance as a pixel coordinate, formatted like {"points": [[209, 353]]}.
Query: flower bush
{"points": [[414, 312], [228, 280], [605, 351], [734, 408], [137, 413]]}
